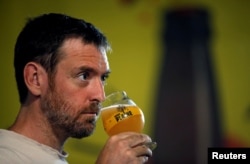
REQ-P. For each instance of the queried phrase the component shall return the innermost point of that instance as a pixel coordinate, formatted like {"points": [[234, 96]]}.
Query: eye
{"points": [[84, 76], [104, 78]]}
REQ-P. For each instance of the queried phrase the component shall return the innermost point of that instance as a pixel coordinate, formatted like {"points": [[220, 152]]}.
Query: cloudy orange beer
{"points": [[122, 118]]}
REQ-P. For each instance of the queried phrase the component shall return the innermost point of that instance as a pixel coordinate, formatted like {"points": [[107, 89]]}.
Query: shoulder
{"points": [[15, 149], [8, 156]]}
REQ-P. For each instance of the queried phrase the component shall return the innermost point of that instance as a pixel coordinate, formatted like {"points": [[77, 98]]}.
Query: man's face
{"points": [[72, 104]]}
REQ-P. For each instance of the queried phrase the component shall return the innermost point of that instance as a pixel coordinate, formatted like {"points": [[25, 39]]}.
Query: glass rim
{"points": [[114, 97]]}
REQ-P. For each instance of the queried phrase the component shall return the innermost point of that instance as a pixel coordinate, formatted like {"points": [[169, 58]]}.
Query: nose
{"points": [[98, 93]]}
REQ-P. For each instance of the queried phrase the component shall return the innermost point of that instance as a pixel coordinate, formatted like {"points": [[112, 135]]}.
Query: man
{"points": [[60, 68]]}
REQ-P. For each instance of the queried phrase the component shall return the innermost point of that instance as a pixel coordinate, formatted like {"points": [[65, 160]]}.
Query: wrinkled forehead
{"points": [[76, 50], [103, 52], [71, 42]]}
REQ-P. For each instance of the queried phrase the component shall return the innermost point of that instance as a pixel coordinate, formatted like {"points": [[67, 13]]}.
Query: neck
{"points": [[32, 123]]}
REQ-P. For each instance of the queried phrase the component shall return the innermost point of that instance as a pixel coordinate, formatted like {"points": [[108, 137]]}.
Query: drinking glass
{"points": [[120, 114]]}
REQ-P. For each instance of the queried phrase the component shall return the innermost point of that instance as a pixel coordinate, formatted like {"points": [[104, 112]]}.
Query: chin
{"points": [[83, 132], [81, 135]]}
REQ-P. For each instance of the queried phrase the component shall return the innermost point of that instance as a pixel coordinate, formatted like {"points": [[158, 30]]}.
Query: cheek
{"points": [[71, 91], [64, 87], [73, 95]]}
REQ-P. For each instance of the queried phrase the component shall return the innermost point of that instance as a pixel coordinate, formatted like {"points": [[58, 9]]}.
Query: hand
{"points": [[125, 148]]}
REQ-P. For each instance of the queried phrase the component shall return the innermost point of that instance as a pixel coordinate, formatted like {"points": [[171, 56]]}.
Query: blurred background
{"points": [[184, 62]]}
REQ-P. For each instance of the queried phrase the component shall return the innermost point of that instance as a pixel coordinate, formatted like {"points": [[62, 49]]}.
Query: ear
{"points": [[35, 77]]}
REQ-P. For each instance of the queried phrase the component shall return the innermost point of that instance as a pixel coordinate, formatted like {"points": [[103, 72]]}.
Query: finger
{"points": [[138, 154], [142, 151], [135, 138], [142, 159], [139, 139], [131, 138]]}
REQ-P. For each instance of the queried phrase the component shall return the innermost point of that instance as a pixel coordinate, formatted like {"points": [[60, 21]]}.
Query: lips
{"points": [[93, 109], [90, 113]]}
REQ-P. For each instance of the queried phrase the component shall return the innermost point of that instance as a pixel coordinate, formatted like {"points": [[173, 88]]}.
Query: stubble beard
{"points": [[60, 115]]}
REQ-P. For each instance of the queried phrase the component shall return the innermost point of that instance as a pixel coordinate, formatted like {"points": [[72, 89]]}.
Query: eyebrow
{"points": [[89, 69]]}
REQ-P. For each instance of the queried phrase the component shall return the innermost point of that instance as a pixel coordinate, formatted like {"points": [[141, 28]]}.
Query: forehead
{"points": [[76, 52]]}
